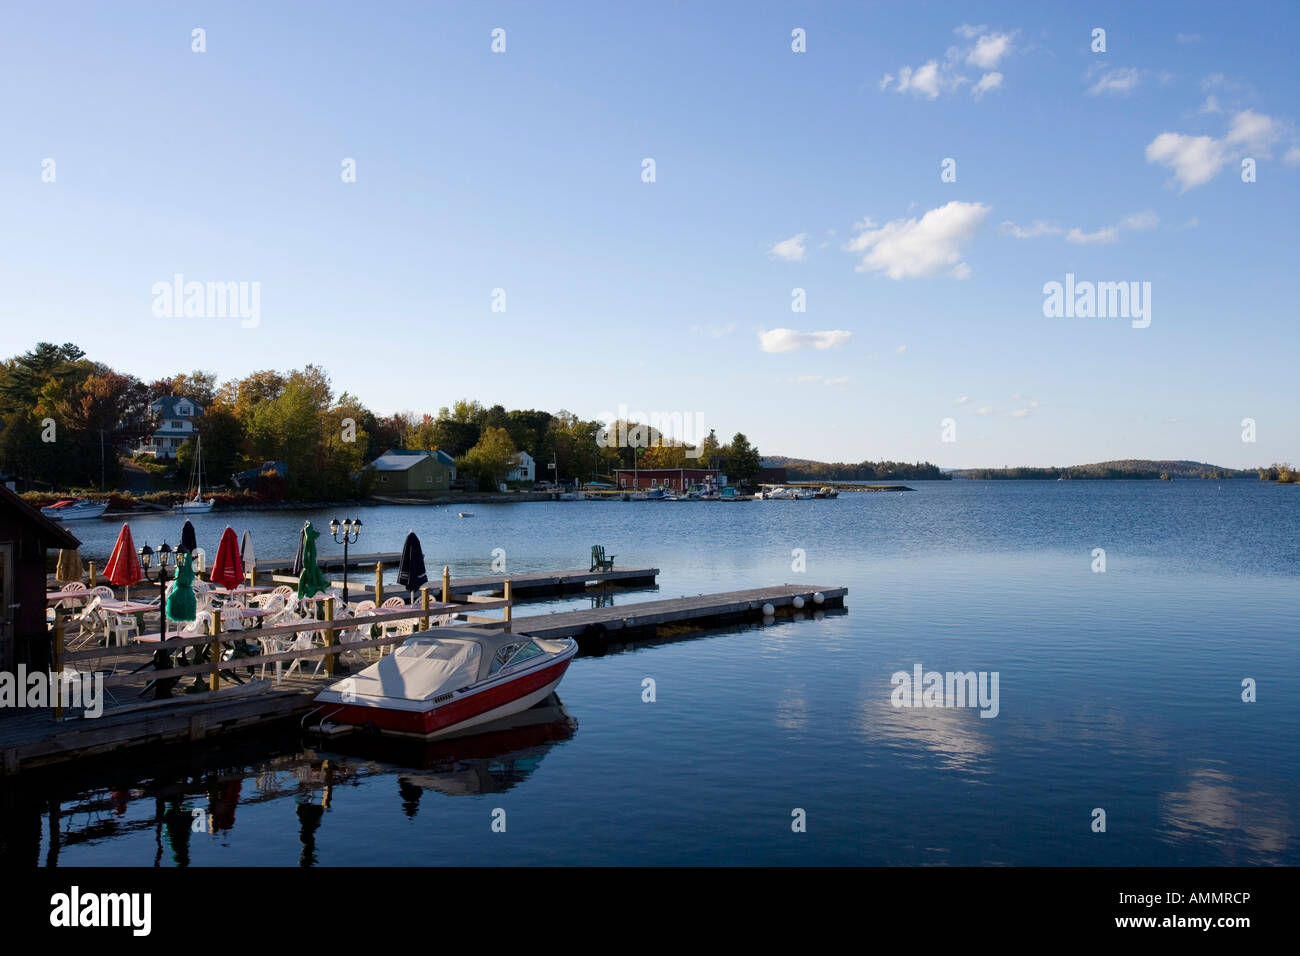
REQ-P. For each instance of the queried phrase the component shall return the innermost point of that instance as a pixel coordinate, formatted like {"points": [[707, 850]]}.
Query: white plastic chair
{"points": [[121, 628], [89, 622]]}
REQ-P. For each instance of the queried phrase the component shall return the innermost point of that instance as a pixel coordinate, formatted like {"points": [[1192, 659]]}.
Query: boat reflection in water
{"points": [[504, 753]]}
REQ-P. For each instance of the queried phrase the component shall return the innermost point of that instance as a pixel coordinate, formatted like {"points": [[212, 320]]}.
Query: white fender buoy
{"points": [[819, 598], [768, 610], [798, 602]]}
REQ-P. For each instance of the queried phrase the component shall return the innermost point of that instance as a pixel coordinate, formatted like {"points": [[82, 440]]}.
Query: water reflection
{"points": [[1249, 826], [954, 735], [505, 754], [184, 807]]}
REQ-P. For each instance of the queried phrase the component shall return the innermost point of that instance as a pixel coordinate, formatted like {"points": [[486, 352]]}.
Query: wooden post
{"points": [[424, 606], [446, 584], [379, 584], [252, 575], [510, 602], [214, 652], [92, 574], [331, 659], [56, 663]]}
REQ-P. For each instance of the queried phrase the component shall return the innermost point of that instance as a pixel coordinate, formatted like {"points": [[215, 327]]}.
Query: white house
{"points": [[524, 468], [175, 417]]}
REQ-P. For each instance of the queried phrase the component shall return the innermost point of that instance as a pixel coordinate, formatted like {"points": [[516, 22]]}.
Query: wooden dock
{"points": [[30, 739], [599, 624], [532, 584]]}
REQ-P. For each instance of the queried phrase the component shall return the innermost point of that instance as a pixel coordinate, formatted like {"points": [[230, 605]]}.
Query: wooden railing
{"points": [[327, 625]]}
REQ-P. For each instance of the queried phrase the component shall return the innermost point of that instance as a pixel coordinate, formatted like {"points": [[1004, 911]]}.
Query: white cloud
{"points": [[1032, 231], [1136, 222], [936, 77], [1019, 413], [1140, 221], [1121, 80], [1189, 38], [917, 248], [927, 80], [986, 410], [963, 400], [1211, 105], [989, 81], [836, 382], [791, 250], [901, 349], [1194, 159], [1292, 157], [1105, 234], [1254, 131], [790, 340], [988, 50]]}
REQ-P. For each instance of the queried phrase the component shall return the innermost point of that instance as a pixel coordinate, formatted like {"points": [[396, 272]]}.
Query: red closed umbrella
{"points": [[227, 567], [123, 568]]}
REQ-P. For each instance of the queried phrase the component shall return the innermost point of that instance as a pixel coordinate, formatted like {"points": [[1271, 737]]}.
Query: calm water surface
{"points": [[1118, 690]]}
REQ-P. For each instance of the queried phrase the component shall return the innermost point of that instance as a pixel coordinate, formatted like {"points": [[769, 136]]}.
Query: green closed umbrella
{"points": [[181, 605], [312, 580]]}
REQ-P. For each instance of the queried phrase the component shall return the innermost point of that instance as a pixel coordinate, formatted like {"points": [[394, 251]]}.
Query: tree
{"points": [[489, 461], [743, 460], [710, 451]]}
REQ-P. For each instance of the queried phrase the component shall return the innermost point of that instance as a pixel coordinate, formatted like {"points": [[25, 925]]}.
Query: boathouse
{"points": [[26, 537], [413, 471], [678, 478]]}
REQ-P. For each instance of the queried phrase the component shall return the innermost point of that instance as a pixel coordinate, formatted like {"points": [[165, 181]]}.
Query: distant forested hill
{"points": [[1127, 468], [805, 469]]}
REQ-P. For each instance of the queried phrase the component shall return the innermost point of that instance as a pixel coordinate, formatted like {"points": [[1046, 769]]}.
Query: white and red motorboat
{"points": [[448, 680]]}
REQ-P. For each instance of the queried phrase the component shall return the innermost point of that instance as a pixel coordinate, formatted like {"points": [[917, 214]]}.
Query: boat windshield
{"points": [[511, 654]]}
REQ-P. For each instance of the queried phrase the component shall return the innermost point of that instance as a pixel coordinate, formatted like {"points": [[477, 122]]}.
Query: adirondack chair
{"points": [[598, 560]]}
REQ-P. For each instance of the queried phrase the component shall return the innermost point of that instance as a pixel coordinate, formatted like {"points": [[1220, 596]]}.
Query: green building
{"points": [[413, 471]]}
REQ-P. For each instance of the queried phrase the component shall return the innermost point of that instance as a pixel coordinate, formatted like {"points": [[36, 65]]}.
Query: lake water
{"points": [[1119, 690]]}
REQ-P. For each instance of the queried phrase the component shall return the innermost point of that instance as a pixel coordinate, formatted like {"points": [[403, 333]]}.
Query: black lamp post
{"points": [[165, 556], [351, 531]]}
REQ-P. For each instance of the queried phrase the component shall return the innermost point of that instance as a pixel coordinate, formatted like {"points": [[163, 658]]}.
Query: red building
{"points": [[678, 478]]}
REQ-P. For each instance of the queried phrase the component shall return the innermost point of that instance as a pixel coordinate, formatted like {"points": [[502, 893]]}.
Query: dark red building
{"points": [[678, 478], [26, 537]]}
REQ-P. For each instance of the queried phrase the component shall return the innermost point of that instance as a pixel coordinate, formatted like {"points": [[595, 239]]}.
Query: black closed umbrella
{"points": [[188, 541], [297, 558], [410, 570]]}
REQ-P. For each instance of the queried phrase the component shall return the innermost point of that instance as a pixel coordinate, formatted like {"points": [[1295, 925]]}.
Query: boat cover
{"points": [[420, 670]]}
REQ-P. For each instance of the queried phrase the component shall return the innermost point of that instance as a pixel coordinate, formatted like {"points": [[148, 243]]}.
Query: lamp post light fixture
{"points": [[351, 530], [165, 557]]}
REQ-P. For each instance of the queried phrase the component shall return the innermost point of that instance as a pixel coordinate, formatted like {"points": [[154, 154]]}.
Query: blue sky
{"points": [[774, 170]]}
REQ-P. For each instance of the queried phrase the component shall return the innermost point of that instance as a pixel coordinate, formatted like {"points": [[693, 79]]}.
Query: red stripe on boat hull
{"points": [[453, 712]]}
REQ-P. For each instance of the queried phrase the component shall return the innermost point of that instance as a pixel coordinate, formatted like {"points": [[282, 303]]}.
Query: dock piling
{"points": [[214, 679], [330, 634], [56, 663]]}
